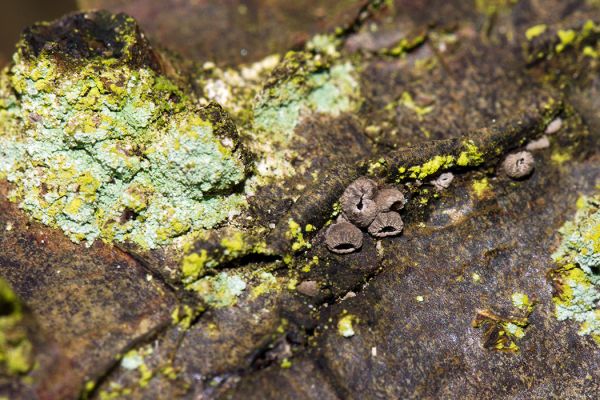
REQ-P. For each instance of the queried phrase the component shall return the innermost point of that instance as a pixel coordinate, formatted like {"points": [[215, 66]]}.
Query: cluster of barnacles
{"points": [[365, 206]]}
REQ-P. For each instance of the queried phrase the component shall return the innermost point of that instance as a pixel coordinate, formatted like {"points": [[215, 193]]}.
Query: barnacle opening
{"points": [[343, 238], [386, 224], [519, 165], [357, 202], [389, 199]]}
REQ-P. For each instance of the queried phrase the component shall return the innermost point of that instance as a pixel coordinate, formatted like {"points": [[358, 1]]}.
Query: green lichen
{"points": [[566, 37], [107, 150], [589, 51], [577, 277], [194, 265], [560, 157], [521, 301], [134, 360], [184, 315], [572, 38], [501, 333], [323, 89], [324, 44], [221, 290], [309, 265], [267, 283], [469, 156], [16, 351], [404, 45]]}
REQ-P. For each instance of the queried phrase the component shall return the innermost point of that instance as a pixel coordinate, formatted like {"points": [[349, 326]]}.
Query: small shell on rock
{"points": [[539, 144], [518, 165], [389, 199], [308, 288], [386, 224], [554, 126], [443, 181], [343, 238], [358, 204]]}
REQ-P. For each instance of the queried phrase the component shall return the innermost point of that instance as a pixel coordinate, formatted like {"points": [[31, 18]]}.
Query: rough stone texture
{"points": [[92, 304], [233, 31], [464, 90]]}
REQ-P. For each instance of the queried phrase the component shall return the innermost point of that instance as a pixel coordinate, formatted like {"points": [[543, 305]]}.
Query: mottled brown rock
{"points": [[471, 79], [92, 303]]}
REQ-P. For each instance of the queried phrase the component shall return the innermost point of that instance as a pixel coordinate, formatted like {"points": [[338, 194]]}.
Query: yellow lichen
{"points": [[535, 31], [345, 325], [482, 188]]}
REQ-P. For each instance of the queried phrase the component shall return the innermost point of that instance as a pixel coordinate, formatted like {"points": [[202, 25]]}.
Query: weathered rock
{"points": [[91, 304], [467, 289], [235, 31]]}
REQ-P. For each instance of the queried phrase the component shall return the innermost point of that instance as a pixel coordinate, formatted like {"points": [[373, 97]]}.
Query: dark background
{"points": [[17, 14]]}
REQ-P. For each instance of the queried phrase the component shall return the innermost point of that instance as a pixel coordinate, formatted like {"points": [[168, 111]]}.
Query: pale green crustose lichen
{"points": [[103, 149], [221, 290], [331, 90], [578, 275]]}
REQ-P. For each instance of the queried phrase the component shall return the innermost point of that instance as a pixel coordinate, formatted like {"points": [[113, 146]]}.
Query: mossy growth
{"points": [[577, 278], [16, 351], [99, 143]]}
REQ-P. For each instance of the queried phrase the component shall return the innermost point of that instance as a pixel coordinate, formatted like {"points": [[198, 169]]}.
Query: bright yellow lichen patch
{"points": [[437, 163], [295, 235], [345, 325], [535, 31], [471, 156], [482, 188]]}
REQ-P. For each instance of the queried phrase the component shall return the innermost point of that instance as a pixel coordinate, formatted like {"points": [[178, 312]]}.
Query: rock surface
{"points": [[461, 304]]}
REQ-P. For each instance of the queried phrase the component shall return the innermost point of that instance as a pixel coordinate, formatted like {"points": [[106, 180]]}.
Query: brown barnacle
{"points": [[443, 181], [386, 224], [518, 165], [358, 202], [343, 238], [390, 199]]}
